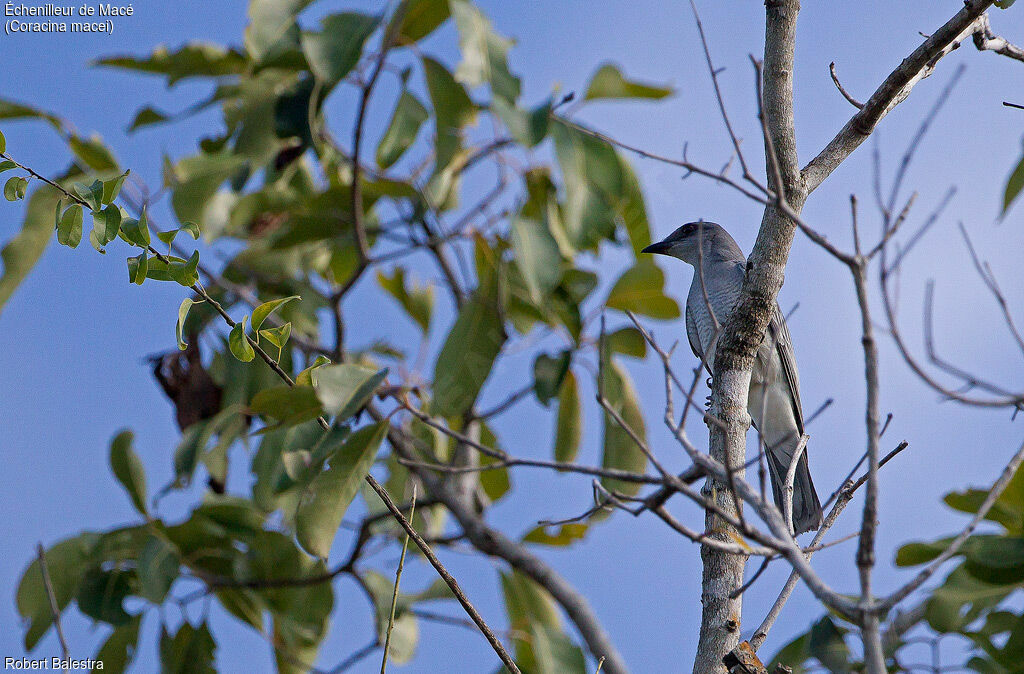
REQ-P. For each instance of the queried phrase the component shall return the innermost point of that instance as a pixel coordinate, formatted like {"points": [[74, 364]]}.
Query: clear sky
{"points": [[73, 338]]}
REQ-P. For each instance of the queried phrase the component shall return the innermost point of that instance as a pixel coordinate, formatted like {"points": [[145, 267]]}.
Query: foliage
{"points": [[275, 193]]}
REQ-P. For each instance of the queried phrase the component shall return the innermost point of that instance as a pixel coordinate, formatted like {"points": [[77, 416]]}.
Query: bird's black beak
{"points": [[660, 247]]}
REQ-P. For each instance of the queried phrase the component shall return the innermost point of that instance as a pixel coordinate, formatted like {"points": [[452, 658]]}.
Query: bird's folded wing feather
{"points": [[778, 331]]}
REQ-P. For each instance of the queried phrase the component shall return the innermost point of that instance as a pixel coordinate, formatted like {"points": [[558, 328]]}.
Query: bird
{"points": [[773, 401]]}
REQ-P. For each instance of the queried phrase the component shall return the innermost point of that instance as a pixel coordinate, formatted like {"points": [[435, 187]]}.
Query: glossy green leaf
{"points": [[406, 120], [179, 328], [308, 376], [91, 194], [66, 562], [136, 232], [467, 356], [194, 59], [416, 19], [1014, 185], [418, 301], [111, 188], [106, 225], [827, 645], [335, 50], [484, 52], [15, 187], [239, 343], [260, 313], [548, 374], [138, 267], [328, 496], [190, 651], [118, 651], [69, 230], [22, 251], [277, 336], [157, 568], [569, 426], [640, 290], [453, 110], [185, 273], [289, 404], [128, 470], [7, 165], [345, 388], [562, 535], [609, 82], [538, 257], [528, 127], [101, 595], [620, 450]]}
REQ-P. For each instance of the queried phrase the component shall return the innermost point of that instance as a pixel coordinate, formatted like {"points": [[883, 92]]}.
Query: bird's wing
{"points": [[692, 335], [784, 347]]}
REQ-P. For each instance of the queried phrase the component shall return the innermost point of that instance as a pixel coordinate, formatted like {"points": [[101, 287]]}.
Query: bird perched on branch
{"points": [[774, 398]]}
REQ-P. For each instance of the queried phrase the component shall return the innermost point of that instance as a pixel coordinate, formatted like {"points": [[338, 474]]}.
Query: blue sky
{"points": [[73, 338]]}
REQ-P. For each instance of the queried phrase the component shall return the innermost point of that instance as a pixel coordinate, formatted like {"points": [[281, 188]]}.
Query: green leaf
{"points": [[128, 470], [548, 375], [405, 631], [609, 82], [453, 110], [157, 568], [555, 653], [569, 427], [147, 116], [191, 651], [620, 450], [538, 257], [563, 535], [344, 388], [7, 165], [913, 554], [106, 225], [138, 267], [101, 595], [65, 563], [408, 117], [484, 52], [3, 143], [260, 313], [639, 290], [185, 273], [291, 405], [627, 341], [91, 194], [467, 356], [1014, 185], [179, 328], [1004, 4], [136, 232], [94, 154], [14, 188], [416, 19], [69, 230], [996, 559], [328, 496], [111, 188], [307, 377], [333, 52], [277, 336], [528, 127], [118, 651], [22, 252], [418, 301], [194, 59], [239, 344], [827, 645]]}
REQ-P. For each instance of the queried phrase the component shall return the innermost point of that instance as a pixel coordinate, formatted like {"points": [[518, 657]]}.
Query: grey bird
{"points": [[774, 397]]}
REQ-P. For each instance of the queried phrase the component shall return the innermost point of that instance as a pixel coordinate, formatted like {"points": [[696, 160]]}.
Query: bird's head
{"points": [[696, 239]]}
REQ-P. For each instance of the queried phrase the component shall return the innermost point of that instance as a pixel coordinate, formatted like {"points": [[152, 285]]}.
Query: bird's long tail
{"points": [[807, 514]]}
